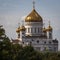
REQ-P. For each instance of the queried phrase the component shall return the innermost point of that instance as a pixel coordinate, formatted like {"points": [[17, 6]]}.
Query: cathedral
{"points": [[33, 33]]}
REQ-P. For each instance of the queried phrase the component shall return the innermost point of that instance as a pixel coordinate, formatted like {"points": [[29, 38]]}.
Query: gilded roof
{"points": [[22, 28], [33, 17], [49, 28], [44, 29], [18, 30]]}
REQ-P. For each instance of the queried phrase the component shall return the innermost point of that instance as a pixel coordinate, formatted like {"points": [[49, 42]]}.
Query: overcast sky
{"points": [[13, 12]]}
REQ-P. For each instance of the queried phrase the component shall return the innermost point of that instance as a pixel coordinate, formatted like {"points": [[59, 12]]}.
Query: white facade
{"points": [[33, 28], [35, 36]]}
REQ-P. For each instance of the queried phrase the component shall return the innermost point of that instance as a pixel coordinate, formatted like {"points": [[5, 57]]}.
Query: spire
{"points": [[22, 27], [18, 29], [18, 24], [44, 29], [49, 22], [49, 27], [43, 24], [33, 4], [22, 22]]}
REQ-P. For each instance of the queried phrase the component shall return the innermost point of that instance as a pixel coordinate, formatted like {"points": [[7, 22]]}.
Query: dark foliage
{"points": [[9, 51]]}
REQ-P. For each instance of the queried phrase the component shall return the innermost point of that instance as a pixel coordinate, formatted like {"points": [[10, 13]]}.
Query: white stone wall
{"points": [[41, 44], [33, 28]]}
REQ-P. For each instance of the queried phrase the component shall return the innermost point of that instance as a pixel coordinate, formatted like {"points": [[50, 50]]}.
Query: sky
{"points": [[13, 12]]}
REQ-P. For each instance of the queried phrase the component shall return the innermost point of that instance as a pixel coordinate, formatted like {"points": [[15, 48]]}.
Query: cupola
{"points": [[18, 30], [33, 16], [22, 28], [49, 28]]}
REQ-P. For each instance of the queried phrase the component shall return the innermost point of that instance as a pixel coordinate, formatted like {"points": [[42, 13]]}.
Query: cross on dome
{"points": [[33, 4], [49, 22]]}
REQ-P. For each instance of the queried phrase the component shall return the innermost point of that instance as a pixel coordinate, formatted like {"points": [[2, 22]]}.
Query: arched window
{"points": [[37, 41], [45, 42]]}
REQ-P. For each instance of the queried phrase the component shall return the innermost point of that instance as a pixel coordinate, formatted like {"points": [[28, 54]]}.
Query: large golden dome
{"points": [[33, 17]]}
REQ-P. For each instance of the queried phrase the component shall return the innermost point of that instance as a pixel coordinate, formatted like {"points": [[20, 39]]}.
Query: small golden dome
{"points": [[44, 29], [49, 28], [33, 17], [18, 30], [22, 28]]}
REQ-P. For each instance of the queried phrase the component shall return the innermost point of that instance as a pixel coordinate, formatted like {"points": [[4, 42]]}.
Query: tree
{"points": [[28, 53], [4, 45], [9, 51], [2, 32]]}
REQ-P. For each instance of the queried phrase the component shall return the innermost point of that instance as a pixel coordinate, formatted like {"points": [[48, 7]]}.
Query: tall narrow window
{"points": [[28, 29], [31, 30], [35, 30], [38, 30]]}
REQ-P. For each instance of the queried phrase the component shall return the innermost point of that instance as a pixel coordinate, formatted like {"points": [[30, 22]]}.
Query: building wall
{"points": [[41, 44], [33, 28]]}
